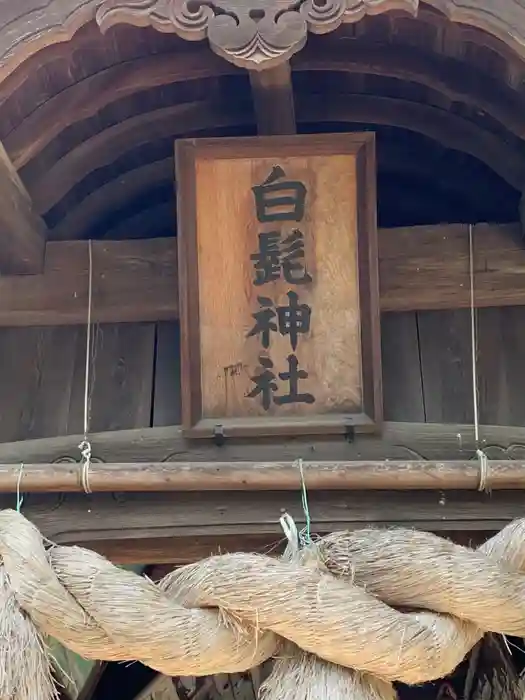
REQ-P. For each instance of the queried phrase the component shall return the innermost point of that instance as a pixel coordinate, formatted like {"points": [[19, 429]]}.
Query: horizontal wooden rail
{"points": [[262, 476], [398, 442], [133, 280], [425, 267]]}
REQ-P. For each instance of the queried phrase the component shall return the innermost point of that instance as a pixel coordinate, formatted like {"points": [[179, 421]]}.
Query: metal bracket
{"points": [[219, 438], [349, 434]]}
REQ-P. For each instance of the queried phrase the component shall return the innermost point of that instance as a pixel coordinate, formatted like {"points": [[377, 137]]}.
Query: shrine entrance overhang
{"points": [[93, 97], [248, 33], [88, 88]]}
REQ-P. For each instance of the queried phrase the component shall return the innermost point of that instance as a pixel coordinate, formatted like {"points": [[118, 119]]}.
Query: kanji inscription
{"points": [[278, 285], [281, 200]]}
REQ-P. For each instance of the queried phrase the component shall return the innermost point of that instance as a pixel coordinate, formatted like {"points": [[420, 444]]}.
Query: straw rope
{"points": [[229, 613]]}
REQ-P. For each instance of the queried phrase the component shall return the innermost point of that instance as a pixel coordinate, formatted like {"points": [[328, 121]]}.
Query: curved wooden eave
{"points": [[99, 209], [26, 29], [109, 145], [85, 123], [86, 98]]}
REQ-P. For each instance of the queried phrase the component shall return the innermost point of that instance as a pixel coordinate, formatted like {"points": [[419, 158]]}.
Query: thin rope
{"points": [[482, 457], [305, 534], [297, 540], [19, 497], [85, 445], [290, 532]]}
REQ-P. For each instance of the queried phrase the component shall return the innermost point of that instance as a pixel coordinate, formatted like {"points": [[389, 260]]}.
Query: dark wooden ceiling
{"points": [[90, 123]]}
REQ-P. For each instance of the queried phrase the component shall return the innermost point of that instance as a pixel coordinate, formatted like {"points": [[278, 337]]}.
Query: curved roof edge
{"points": [[254, 34]]}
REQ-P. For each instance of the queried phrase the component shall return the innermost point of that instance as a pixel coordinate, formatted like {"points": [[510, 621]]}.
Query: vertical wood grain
{"points": [[446, 365], [218, 231], [42, 379], [501, 353], [36, 366], [331, 352], [402, 381], [167, 380], [122, 377]]}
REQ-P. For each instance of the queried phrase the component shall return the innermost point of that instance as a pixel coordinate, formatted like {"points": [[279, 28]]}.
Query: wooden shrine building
{"points": [[391, 136]]}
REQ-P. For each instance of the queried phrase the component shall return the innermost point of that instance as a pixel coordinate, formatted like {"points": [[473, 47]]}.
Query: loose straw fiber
{"points": [[328, 618]]}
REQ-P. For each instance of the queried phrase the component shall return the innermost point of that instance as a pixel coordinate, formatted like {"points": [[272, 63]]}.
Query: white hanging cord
{"points": [[85, 445], [297, 541], [292, 535], [19, 497], [482, 457]]}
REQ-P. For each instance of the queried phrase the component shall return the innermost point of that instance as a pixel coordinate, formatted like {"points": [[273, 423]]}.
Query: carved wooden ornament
{"points": [[236, 30], [254, 34]]}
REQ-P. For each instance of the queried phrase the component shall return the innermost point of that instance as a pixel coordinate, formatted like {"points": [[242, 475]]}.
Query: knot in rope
{"points": [[394, 605], [85, 453]]}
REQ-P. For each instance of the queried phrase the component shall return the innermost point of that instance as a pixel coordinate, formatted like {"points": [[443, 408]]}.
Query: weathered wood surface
{"points": [[122, 377], [48, 186], [414, 62], [437, 124], [42, 372], [99, 90], [399, 441], [419, 268], [94, 86], [273, 101], [401, 53], [226, 327], [446, 365], [166, 408], [485, 199], [22, 232], [132, 281], [42, 375], [430, 265], [26, 29], [171, 527], [403, 391], [395, 475]]}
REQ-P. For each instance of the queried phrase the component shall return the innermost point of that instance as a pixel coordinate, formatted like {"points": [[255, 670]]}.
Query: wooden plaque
{"points": [[278, 285]]}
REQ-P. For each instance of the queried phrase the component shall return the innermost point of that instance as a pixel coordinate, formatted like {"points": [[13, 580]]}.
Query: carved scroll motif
{"points": [[253, 34], [512, 451]]}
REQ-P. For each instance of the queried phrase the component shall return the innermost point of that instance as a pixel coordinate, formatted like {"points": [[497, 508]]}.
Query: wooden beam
{"points": [[48, 186], [132, 281], [89, 687], [398, 442], [22, 231], [424, 267], [172, 527], [428, 267], [273, 100], [263, 476], [88, 216], [188, 549], [48, 183], [97, 91], [453, 78]]}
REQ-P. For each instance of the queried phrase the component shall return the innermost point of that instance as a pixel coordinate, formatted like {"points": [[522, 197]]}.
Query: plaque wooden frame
{"points": [[188, 152]]}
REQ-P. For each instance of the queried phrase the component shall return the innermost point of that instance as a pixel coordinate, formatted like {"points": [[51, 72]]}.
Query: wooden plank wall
{"points": [[42, 379], [427, 366], [427, 373]]}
